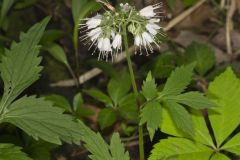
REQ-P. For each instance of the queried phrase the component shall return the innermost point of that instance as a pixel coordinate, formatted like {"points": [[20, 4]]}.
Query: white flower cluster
{"points": [[105, 31]]}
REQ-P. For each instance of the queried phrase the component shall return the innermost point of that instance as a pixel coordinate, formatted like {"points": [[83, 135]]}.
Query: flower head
{"points": [[105, 31]]}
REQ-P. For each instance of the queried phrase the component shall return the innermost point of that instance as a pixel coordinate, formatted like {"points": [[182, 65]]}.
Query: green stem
{"points": [[75, 45], [140, 128]]}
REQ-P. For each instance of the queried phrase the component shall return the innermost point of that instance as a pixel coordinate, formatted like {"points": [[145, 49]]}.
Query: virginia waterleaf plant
{"points": [[224, 121]]}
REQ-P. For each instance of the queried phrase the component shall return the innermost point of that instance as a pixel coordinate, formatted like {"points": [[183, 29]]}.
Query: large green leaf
{"points": [[11, 152], [233, 145], [178, 80], [225, 89], [181, 148], [152, 115], [117, 148], [180, 116], [39, 119], [202, 54], [99, 149], [20, 67], [201, 133], [195, 100], [219, 156]]}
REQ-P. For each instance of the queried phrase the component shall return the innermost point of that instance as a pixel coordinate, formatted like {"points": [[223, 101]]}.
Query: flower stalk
{"points": [[135, 90]]}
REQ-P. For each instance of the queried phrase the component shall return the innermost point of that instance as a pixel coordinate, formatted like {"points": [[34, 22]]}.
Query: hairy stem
{"points": [[130, 68]]}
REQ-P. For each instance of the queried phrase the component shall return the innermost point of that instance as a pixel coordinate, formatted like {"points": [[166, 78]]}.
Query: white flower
{"points": [[117, 42], [147, 38], [94, 21], [149, 10], [138, 41], [125, 6], [95, 33], [104, 45], [152, 28]]}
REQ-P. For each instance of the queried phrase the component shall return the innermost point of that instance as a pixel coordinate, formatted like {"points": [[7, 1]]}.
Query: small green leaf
{"points": [[106, 67], [11, 152], [178, 80], [39, 119], [171, 4], [194, 100], [149, 88], [128, 107], [117, 88], [188, 3], [203, 55], [152, 115], [107, 117], [39, 150], [51, 35], [6, 5], [59, 101], [180, 116], [99, 95], [77, 101], [57, 52], [117, 148]]}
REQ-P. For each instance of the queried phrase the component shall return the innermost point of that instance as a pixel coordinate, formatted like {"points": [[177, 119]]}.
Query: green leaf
{"points": [[58, 53], [233, 145], [6, 5], [117, 148], [59, 101], [39, 119], [128, 107], [11, 152], [178, 80], [171, 4], [106, 67], [219, 156], [40, 150], [52, 35], [96, 145], [77, 101], [107, 117], [201, 133], [188, 3], [195, 100], [149, 88], [117, 88], [225, 90], [180, 149], [152, 115], [202, 54], [20, 67], [99, 95], [180, 117]]}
